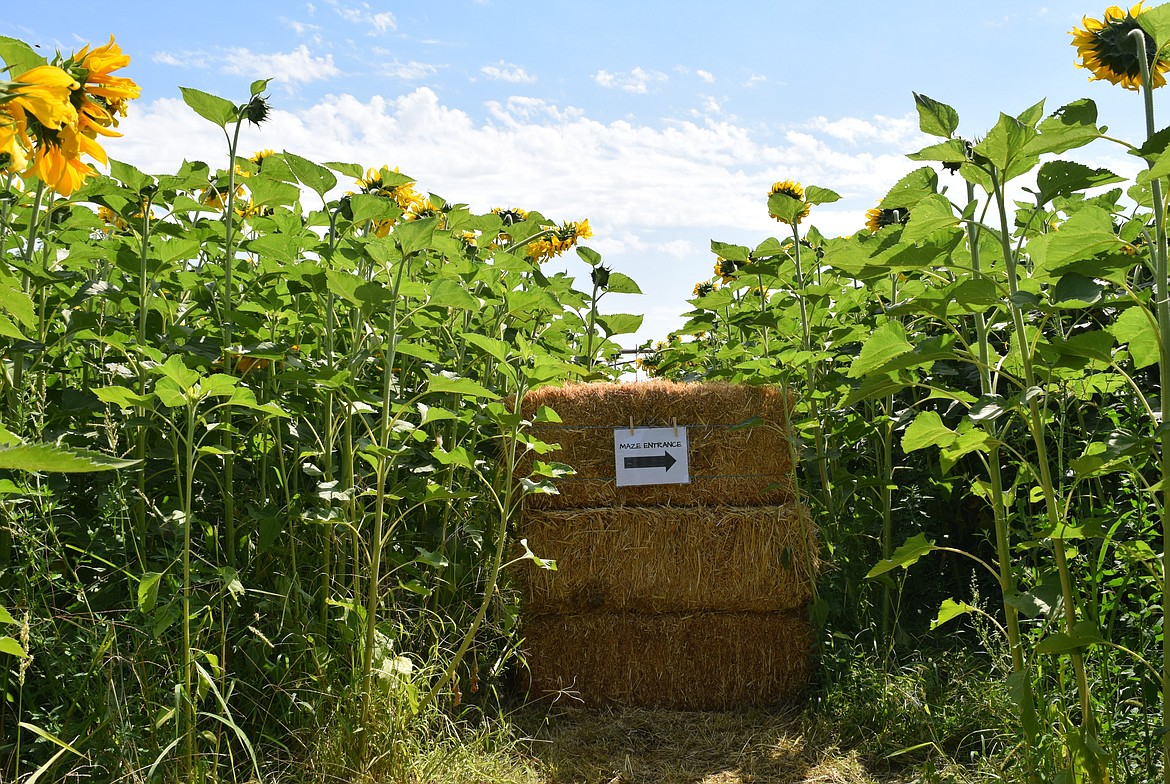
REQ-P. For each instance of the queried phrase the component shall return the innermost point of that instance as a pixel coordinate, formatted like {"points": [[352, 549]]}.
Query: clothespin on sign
{"points": [[674, 421], [631, 424]]}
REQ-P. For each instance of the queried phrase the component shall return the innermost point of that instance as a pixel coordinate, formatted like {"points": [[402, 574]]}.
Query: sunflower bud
{"points": [[600, 276], [256, 110]]}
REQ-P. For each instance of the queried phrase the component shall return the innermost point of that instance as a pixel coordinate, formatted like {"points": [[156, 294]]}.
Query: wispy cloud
{"points": [[299, 65], [299, 27], [408, 71], [507, 72], [902, 131], [706, 76], [638, 80], [362, 14], [185, 59]]}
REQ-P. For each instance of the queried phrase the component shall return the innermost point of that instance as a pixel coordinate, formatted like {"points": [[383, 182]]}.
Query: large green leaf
{"points": [[933, 213], [1061, 178], [15, 301], [1156, 22], [1072, 125], [12, 647], [948, 611], [1087, 233], [50, 458], [927, 429], [1004, 144], [905, 556], [18, 57], [414, 236], [911, 189], [448, 293], [814, 194], [934, 117], [885, 344], [210, 107], [459, 386], [1135, 328], [312, 175], [620, 323]]}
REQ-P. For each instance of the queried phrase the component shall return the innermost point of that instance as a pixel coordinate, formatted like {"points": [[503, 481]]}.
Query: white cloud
{"points": [[300, 28], [706, 76], [181, 59], [409, 71], [299, 65], [507, 72], [361, 14], [887, 130], [636, 81]]}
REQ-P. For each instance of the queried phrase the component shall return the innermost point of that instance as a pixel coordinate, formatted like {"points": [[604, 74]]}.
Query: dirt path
{"points": [[634, 746]]}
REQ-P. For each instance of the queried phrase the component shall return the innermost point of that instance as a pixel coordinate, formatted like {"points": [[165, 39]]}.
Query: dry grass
{"points": [[670, 559], [634, 746], [731, 463]]}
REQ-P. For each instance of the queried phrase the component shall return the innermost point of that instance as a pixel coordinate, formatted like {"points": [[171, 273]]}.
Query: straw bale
{"points": [[670, 559], [730, 463], [700, 661]]}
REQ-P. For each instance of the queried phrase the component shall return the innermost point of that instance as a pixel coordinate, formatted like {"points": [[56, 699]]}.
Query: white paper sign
{"points": [[651, 456]]}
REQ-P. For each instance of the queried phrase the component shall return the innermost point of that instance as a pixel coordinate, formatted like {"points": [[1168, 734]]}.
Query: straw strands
{"points": [[704, 661], [684, 596], [671, 559], [738, 437]]}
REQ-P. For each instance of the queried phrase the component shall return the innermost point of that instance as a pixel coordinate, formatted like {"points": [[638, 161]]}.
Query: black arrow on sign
{"points": [[664, 462]]}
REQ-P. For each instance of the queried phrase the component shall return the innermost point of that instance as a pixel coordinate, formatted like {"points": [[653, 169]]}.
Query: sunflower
{"points": [[103, 97], [702, 289], [877, 218], [793, 189], [259, 157], [512, 216], [12, 153], [558, 239], [44, 92], [1108, 50], [59, 110], [725, 269]]}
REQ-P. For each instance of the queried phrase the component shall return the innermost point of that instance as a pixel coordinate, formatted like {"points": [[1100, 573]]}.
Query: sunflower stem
{"points": [[1162, 307]]}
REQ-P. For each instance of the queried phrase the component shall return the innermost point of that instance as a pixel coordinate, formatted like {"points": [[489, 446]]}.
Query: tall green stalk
{"points": [[1162, 312], [811, 381], [1035, 420], [1007, 574]]}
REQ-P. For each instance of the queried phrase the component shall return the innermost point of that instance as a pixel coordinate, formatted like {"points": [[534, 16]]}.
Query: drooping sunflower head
{"points": [[796, 191], [512, 216], [877, 218], [259, 157], [702, 289], [725, 269], [1107, 48]]}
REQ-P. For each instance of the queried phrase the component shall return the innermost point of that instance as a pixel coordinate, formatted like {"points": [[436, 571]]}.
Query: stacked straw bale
{"points": [[686, 596], [738, 436]]}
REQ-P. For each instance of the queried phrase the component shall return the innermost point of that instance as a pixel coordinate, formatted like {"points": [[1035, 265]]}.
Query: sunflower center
{"points": [[1118, 50]]}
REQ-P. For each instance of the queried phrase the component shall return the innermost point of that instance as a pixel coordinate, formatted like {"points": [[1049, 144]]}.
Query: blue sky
{"points": [[664, 123]]}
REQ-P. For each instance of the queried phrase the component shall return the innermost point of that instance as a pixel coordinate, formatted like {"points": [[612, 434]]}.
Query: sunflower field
{"points": [[259, 419]]}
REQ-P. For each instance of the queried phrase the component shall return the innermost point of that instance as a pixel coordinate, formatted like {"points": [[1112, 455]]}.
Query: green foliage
{"points": [[257, 460]]}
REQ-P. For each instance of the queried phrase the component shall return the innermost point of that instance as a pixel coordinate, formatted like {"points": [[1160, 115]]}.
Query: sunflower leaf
{"points": [[18, 56], [210, 107], [1156, 22], [935, 117], [1061, 178], [816, 195]]}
